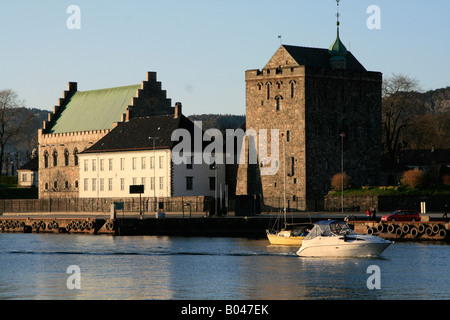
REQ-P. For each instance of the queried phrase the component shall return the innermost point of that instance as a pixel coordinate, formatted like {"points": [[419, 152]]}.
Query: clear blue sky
{"points": [[201, 48]]}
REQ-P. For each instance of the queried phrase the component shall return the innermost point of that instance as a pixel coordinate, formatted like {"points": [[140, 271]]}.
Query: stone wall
{"points": [[386, 203], [102, 205]]}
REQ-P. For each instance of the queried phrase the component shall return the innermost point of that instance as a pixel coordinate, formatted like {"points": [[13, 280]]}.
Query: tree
{"points": [[336, 181], [413, 178], [14, 121], [398, 108]]}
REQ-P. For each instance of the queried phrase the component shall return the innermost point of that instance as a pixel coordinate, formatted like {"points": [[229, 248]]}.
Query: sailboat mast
{"points": [[284, 177]]}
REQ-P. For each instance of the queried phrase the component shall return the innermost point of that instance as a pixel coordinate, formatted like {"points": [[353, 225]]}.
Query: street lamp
{"points": [[154, 170], [342, 135]]}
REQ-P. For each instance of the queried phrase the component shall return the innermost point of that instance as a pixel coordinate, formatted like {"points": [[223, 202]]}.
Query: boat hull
{"points": [[332, 247], [279, 239]]}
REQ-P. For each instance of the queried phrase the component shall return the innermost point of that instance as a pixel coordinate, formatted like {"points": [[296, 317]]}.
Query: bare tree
{"points": [[14, 121], [398, 108]]}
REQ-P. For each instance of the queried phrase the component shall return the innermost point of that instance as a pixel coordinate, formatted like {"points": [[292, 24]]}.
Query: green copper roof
{"points": [[94, 110], [337, 51]]}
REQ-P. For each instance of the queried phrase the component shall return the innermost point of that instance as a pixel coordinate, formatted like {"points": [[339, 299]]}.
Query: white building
{"points": [[28, 174], [139, 152]]}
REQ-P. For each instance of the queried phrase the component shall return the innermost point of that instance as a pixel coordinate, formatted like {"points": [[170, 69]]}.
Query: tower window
{"points": [[46, 159], [268, 90], [55, 158], [75, 156], [292, 83], [278, 102], [66, 157]]}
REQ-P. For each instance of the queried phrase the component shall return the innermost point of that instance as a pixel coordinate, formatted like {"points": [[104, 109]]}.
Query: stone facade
{"points": [[58, 160], [311, 105]]}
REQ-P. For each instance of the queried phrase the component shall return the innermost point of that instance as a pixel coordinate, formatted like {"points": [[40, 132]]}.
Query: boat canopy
{"points": [[329, 228]]}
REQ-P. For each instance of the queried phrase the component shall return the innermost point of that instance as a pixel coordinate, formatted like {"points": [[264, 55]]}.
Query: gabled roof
{"points": [[32, 165], [94, 110], [317, 57], [135, 134]]}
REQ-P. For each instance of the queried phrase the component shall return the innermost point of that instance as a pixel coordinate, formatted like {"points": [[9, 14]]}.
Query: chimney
{"points": [[177, 110]]}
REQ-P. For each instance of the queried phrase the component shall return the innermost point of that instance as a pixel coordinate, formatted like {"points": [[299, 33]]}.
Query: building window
{"points": [[133, 163], [110, 184], [55, 158], [152, 162], [122, 184], [190, 165], [46, 159], [288, 135], [161, 162], [66, 157], [86, 184], [143, 181], [94, 184], [161, 183], [55, 184], [94, 165], [134, 181], [46, 186], [143, 163], [76, 184], [102, 184], [86, 165], [292, 166], [110, 164], [122, 164], [292, 83], [268, 90], [75, 156], [278, 102], [152, 183], [66, 184], [279, 83], [189, 183], [212, 183], [102, 164]]}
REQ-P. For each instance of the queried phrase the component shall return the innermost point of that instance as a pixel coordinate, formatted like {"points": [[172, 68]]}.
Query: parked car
{"points": [[402, 215]]}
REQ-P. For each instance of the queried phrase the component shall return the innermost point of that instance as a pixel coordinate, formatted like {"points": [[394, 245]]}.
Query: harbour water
{"points": [[34, 266]]}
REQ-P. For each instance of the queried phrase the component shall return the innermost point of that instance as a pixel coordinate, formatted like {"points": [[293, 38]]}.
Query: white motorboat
{"points": [[332, 238]]}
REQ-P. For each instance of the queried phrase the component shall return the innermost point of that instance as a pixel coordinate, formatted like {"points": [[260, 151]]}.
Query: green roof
{"points": [[94, 110], [337, 50]]}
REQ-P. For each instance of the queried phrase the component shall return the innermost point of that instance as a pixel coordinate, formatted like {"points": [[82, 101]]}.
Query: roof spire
{"points": [[337, 14], [337, 51]]}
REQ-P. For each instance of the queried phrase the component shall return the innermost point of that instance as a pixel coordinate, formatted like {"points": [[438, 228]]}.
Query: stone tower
{"points": [[319, 100]]}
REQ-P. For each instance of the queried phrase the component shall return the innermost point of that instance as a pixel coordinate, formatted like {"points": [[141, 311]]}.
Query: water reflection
{"points": [[33, 266]]}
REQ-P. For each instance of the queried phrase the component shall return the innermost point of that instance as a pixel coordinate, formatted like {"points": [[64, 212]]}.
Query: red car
{"points": [[402, 215]]}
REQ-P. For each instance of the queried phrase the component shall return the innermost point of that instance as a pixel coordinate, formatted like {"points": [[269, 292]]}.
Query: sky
{"points": [[201, 49]]}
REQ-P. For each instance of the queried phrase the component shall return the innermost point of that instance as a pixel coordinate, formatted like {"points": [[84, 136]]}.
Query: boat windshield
{"points": [[329, 228]]}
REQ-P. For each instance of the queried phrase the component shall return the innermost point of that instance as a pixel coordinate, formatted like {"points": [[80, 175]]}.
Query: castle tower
{"points": [[312, 96]]}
